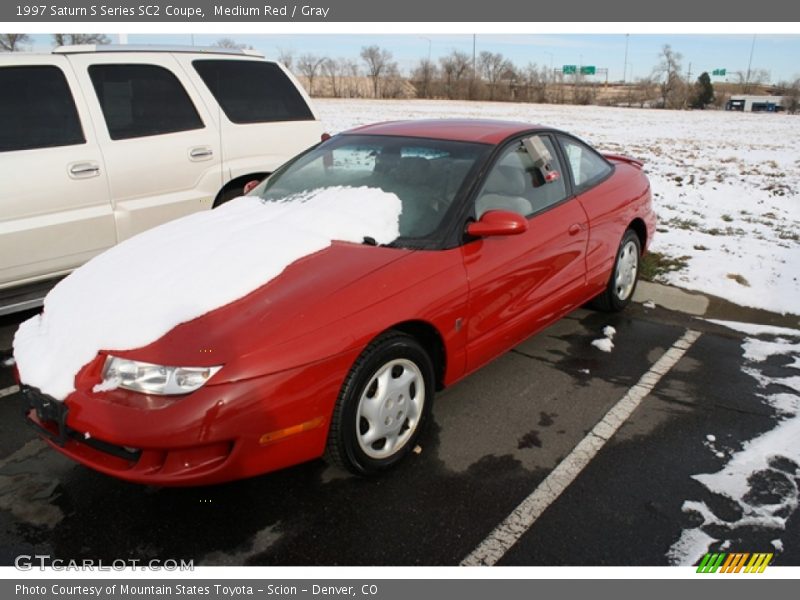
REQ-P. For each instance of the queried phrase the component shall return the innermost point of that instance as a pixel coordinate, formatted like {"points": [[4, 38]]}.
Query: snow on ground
{"points": [[190, 266], [760, 479], [726, 185]]}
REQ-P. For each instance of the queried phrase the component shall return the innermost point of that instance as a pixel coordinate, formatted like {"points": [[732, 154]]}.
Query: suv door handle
{"points": [[575, 229], [201, 153], [83, 170]]}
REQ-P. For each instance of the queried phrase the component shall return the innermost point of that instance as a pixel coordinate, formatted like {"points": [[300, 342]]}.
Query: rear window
{"points": [[142, 100], [252, 91], [37, 109]]}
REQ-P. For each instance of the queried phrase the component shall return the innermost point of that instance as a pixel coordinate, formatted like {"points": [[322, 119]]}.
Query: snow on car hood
{"points": [[136, 292]]}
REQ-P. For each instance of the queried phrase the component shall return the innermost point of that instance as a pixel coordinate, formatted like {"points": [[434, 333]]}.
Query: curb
{"points": [[706, 306]]}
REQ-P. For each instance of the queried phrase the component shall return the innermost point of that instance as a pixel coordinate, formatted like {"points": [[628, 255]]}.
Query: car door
{"points": [[603, 202], [264, 116], [520, 283], [54, 205], [160, 146]]}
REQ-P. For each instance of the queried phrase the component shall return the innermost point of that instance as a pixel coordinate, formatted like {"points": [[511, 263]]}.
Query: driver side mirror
{"points": [[497, 223]]}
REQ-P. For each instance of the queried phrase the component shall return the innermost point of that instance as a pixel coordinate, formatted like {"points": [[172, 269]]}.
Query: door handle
{"points": [[201, 153], [83, 170], [575, 229]]}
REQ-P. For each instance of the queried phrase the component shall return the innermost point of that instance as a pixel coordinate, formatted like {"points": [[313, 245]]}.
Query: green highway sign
{"points": [[719, 72], [590, 70], [569, 69]]}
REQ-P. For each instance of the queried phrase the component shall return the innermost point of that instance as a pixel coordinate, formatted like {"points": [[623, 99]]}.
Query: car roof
{"points": [[159, 48], [487, 131]]}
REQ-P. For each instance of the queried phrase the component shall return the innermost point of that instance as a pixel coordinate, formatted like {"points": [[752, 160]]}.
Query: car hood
{"points": [[138, 292], [314, 292]]}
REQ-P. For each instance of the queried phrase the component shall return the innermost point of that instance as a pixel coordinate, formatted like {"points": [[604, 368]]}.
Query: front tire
{"points": [[624, 276], [382, 406]]}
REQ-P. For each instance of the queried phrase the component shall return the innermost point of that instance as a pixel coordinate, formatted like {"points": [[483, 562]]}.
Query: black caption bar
{"points": [[393, 589], [197, 11]]}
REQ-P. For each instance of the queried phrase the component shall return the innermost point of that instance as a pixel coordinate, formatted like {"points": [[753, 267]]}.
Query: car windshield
{"points": [[425, 174]]}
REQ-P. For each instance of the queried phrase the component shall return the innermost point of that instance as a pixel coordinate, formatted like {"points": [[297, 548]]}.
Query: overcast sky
{"points": [[778, 54]]}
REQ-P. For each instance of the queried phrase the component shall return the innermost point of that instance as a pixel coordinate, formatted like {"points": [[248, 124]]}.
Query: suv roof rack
{"points": [[85, 48]]}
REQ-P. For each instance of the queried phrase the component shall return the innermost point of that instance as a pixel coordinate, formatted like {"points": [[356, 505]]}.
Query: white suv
{"points": [[98, 143]]}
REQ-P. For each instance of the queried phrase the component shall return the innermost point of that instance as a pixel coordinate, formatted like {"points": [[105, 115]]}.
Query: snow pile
{"points": [[133, 294], [761, 478], [726, 185], [605, 343]]}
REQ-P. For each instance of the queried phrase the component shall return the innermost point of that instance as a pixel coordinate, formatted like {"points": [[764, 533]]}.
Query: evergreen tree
{"points": [[703, 91]]}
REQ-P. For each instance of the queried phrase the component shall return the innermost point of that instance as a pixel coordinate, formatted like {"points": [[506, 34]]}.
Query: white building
{"points": [[756, 103]]}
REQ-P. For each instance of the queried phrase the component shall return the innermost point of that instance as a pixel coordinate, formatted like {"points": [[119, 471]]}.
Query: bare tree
{"points": [[645, 91], [331, 68], [309, 65], [456, 67], [424, 74], [232, 44], [75, 39], [378, 62], [286, 58], [667, 73], [349, 78], [748, 81], [791, 95], [534, 83], [10, 42], [493, 66]]}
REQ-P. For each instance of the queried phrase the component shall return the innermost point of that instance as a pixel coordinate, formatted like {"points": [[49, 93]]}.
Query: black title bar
{"points": [[440, 11]]}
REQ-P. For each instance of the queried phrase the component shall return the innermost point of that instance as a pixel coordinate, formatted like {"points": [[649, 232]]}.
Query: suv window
{"points": [[142, 100], [37, 109], [253, 91], [517, 185], [586, 165]]}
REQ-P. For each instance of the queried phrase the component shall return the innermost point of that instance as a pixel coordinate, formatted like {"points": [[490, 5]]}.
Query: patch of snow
{"points": [[711, 438], [604, 344], [719, 454], [609, 332], [137, 291], [690, 547], [761, 477], [649, 304], [584, 371], [754, 329], [106, 385], [778, 545], [758, 350]]}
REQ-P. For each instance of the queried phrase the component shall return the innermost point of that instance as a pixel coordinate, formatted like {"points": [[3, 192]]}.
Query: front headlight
{"points": [[153, 379]]}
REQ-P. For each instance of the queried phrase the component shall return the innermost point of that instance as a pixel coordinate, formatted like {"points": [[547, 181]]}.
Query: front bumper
{"points": [[218, 433]]}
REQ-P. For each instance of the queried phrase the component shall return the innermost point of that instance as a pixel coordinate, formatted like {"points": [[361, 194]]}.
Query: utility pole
{"points": [[749, 65], [689, 74], [472, 83], [625, 65]]}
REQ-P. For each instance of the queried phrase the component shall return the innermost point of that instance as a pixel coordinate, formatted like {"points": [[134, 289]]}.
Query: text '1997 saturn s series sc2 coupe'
{"points": [[317, 315]]}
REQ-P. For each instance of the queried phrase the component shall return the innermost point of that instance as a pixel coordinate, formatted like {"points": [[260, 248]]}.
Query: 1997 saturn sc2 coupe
{"points": [[317, 315]]}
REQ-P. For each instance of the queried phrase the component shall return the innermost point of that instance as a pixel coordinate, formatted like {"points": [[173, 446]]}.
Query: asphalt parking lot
{"points": [[497, 439]]}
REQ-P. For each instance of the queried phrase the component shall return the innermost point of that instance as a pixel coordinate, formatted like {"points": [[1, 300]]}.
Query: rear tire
{"points": [[382, 406], [624, 276]]}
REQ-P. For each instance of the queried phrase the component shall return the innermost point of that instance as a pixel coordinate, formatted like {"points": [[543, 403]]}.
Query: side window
{"points": [[37, 109], [586, 165], [517, 184], [142, 100], [252, 91]]}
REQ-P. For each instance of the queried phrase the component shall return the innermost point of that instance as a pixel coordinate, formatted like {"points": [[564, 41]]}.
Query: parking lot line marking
{"points": [[9, 390], [522, 518]]}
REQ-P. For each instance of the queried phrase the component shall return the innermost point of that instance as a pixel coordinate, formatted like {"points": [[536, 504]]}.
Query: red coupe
{"points": [[505, 227]]}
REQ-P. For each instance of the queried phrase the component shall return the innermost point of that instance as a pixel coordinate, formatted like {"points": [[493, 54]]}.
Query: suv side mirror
{"points": [[498, 222]]}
